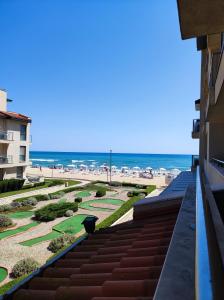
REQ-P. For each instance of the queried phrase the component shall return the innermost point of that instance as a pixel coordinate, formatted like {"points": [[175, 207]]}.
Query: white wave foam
{"points": [[77, 161], [42, 159]]}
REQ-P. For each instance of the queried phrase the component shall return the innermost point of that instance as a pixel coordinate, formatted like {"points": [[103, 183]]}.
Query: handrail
{"points": [[204, 290], [219, 162]]}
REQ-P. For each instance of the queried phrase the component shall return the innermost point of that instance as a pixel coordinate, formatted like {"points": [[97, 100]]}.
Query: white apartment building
{"points": [[14, 141]]}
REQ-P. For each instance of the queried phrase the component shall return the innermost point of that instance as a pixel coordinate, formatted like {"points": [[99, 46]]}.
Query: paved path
{"points": [[9, 199]]}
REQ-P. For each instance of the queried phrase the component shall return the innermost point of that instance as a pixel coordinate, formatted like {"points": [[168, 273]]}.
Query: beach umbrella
{"points": [[71, 166], [136, 168], [148, 168], [92, 166], [113, 167], [124, 168], [162, 169]]}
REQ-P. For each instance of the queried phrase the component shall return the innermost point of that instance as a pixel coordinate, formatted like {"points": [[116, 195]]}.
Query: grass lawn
{"points": [[71, 226], [63, 200], [21, 214], [83, 194], [20, 229], [88, 204], [3, 273]]}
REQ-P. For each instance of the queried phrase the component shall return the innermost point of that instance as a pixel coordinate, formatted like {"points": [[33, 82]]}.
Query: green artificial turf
{"points": [[21, 214], [3, 273], [83, 194], [88, 204], [70, 226], [20, 229]]}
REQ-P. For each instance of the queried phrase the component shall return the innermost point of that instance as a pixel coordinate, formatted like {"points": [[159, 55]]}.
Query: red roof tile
{"points": [[14, 115]]}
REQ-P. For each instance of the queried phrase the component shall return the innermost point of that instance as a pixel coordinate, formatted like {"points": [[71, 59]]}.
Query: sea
{"points": [[119, 160]]}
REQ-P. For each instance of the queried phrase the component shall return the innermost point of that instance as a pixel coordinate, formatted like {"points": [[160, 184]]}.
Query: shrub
{"points": [[137, 193], [56, 195], [5, 221], [52, 211], [9, 185], [56, 182], [15, 204], [24, 266], [100, 193], [115, 183], [60, 242], [28, 186], [39, 184], [78, 199], [130, 194], [30, 201], [5, 207], [68, 213], [42, 197]]}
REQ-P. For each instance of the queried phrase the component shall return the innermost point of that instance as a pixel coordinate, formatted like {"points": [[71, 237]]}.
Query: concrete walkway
{"points": [[9, 199]]}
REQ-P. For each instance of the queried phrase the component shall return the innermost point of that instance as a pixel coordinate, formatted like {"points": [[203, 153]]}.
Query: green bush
{"points": [[28, 186], [115, 183], [78, 199], [42, 197], [5, 207], [68, 213], [60, 242], [56, 195], [52, 211], [39, 184], [30, 201], [100, 193], [9, 185], [24, 266], [5, 221]]}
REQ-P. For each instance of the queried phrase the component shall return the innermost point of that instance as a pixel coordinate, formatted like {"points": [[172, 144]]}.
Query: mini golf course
{"points": [[20, 229], [3, 274], [83, 194], [21, 214], [70, 226], [88, 204]]}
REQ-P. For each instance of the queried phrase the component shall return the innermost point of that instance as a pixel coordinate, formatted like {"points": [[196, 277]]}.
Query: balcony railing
{"points": [[203, 272], [6, 135], [6, 159], [218, 162], [22, 158], [194, 161], [197, 104]]}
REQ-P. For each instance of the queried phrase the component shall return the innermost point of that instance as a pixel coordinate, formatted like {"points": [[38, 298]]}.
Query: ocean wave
{"points": [[77, 161], [42, 159]]}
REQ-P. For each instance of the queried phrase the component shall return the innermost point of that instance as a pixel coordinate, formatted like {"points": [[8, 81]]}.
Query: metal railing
{"points": [[194, 161], [196, 125], [203, 280], [6, 159], [6, 135], [218, 162]]}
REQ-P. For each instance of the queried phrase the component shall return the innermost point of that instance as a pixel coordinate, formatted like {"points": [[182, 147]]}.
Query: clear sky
{"points": [[100, 74]]}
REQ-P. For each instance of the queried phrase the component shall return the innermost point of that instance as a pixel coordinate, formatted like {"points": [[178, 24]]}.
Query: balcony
{"points": [[197, 104], [6, 160], [196, 129], [6, 136]]}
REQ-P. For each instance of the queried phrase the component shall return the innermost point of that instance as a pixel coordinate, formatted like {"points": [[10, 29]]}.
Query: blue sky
{"points": [[100, 74]]}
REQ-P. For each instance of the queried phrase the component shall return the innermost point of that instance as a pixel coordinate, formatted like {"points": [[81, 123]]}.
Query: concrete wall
{"points": [[3, 100], [214, 174]]}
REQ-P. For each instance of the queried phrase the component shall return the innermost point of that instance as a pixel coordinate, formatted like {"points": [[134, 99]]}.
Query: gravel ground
{"points": [[10, 249]]}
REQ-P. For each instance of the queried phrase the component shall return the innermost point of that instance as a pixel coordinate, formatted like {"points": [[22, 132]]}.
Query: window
{"points": [[23, 132], [19, 172], [22, 154]]}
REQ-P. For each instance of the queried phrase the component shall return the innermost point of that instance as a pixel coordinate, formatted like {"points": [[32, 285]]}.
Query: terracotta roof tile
{"points": [[122, 262], [14, 115]]}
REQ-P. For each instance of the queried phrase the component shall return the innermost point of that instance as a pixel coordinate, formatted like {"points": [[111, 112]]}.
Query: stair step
{"points": [[142, 261], [48, 283], [107, 257], [60, 272], [147, 251], [80, 254], [136, 273], [129, 288], [99, 267], [113, 250], [24, 294], [151, 243], [70, 263], [78, 292], [94, 279], [118, 243]]}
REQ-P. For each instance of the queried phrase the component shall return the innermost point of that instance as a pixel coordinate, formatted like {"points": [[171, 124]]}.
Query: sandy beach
{"points": [[159, 181]]}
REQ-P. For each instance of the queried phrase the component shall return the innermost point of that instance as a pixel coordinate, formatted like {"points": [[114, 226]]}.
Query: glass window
{"points": [[23, 132], [22, 154]]}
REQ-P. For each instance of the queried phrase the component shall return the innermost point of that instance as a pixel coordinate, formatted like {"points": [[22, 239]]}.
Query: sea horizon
{"points": [[130, 160]]}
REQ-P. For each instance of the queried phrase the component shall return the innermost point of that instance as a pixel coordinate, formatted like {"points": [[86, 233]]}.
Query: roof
{"points": [[119, 262], [15, 116]]}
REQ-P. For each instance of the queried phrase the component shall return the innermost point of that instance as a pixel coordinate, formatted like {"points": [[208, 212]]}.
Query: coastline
{"points": [[159, 181]]}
